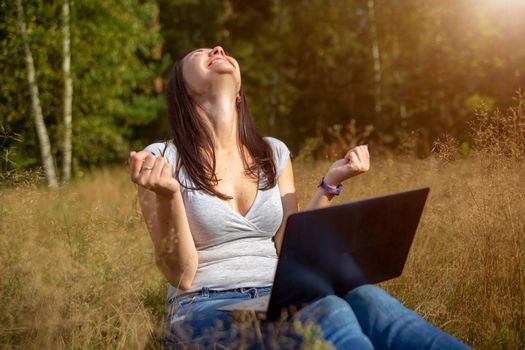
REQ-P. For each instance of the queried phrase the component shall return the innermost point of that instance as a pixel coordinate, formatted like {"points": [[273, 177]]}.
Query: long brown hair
{"points": [[194, 143]]}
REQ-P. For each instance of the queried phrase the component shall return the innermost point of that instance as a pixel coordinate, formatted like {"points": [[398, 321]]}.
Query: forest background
{"points": [[435, 87], [318, 74]]}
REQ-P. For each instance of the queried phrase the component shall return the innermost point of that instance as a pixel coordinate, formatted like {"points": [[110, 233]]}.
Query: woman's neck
{"points": [[220, 111]]}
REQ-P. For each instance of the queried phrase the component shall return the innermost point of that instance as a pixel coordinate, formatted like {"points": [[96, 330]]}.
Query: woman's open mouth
{"points": [[219, 59]]}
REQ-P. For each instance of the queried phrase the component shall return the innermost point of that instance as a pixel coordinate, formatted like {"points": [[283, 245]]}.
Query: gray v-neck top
{"points": [[234, 250]]}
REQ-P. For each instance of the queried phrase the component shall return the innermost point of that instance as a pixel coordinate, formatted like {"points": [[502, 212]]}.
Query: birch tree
{"points": [[376, 58], [43, 137], [68, 94]]}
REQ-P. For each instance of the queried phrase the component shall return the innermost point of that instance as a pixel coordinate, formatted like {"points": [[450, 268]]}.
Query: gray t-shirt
{"points": [[234, 250]]}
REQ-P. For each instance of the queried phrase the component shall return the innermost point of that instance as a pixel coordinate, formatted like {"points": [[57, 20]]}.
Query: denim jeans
{"points": [[365, 318]]}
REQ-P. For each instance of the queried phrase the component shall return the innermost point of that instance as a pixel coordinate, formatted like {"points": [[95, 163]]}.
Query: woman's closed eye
{"points": [[198, 52]]}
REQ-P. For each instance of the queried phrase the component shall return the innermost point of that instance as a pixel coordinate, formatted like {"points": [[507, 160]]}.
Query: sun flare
{"points": [[511, 4]]}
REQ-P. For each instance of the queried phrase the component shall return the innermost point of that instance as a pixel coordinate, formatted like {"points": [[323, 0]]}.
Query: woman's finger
{"points": [[157, 168], [362, 153], [347, 155], [166, 171], [359, 154], [148, 163], [354, 159], [365, 157], [138, 160]]}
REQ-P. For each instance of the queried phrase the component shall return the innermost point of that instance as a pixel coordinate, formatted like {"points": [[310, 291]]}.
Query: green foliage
{"points": [[112, 71], [306, 66]]}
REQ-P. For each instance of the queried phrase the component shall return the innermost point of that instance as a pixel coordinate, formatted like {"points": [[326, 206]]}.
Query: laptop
{"points": [[332, 250]]}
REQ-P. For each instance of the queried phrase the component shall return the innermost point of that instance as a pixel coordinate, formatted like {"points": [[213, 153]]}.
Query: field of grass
{"points": [[77, 267]]}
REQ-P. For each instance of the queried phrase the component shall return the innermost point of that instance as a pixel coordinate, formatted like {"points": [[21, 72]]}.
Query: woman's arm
{"points": [[165, 216], [355, 162], [288, 199]]}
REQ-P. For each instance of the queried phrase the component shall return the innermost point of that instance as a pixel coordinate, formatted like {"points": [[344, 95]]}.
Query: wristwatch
{"points": [[329, 189]]}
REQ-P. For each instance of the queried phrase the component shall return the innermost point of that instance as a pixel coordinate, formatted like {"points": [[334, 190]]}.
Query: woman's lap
{"points": [[195, 322], [337, 323], [365, 316]]}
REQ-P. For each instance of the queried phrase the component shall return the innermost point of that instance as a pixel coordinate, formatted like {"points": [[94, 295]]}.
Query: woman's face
{"points": [[204, 67]]}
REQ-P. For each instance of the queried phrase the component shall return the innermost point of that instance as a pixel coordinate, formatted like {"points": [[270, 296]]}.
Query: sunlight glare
{"points": [[510, 4]]}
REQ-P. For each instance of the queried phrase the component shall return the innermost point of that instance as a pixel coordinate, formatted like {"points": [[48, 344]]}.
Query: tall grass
{"points": [[77, 267]]}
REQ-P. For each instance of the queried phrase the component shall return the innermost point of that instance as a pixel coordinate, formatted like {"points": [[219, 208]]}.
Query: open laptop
{"points": [[331, 250]]}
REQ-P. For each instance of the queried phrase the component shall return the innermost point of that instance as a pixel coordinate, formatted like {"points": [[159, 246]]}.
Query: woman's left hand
{"points": [[355, 162]]}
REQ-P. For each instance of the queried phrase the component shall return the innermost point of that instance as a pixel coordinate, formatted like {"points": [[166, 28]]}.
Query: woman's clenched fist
{"points": [[153, 173], [355, 162]]}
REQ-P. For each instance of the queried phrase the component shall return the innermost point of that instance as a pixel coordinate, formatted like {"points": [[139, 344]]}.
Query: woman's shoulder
{"points": [[281, 152], [275, 143]]}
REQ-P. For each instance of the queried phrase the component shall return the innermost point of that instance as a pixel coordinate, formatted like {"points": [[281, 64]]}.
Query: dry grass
{"points": [[77, 268], [466, 269]]}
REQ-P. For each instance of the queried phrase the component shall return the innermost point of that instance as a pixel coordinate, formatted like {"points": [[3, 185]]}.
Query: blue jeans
{"points": [[365, 318]]}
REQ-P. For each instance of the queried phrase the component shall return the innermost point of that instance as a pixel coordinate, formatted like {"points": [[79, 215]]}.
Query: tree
{"points": [[68, 94], [376, 56], [45, 148], [112, 48]]}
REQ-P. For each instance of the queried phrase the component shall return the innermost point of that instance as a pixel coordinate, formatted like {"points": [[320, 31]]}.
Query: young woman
{"points": [[215, 199]]}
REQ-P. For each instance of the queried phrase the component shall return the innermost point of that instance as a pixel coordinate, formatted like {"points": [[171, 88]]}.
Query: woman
{"points": [[215, 200]]}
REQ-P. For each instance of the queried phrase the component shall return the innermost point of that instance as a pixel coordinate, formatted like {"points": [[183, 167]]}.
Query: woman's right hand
{"points": [[153, 173]]}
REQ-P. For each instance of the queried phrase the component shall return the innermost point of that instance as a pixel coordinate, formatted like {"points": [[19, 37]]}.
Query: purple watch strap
{"points": [[328, 189]]}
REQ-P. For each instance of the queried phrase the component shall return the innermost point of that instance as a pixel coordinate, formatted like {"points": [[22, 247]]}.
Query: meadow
{"points": [[77, 266]]}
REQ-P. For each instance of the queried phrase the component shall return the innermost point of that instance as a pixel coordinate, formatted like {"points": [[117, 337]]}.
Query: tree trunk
{"points": [[43, 138], [273, 99], [376, 57], [68, 95], [399, 75]]}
